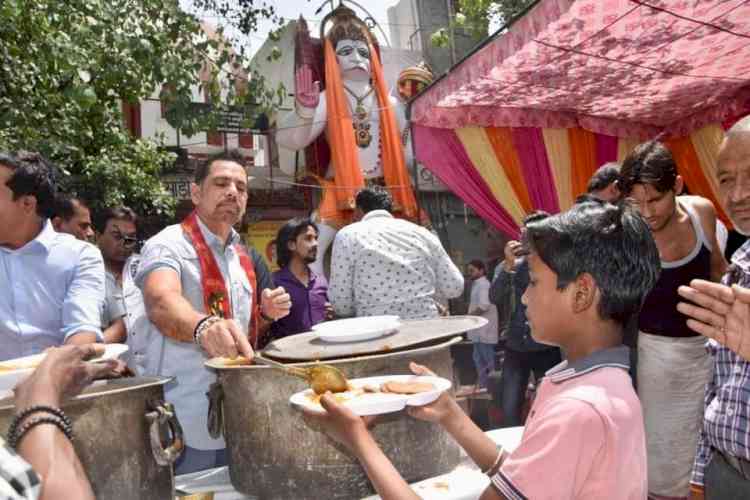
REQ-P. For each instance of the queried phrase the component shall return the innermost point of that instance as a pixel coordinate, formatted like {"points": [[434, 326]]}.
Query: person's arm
{"points": [[341, 284], [84, 299], [446, 412], [450, 280], [63, 373], [175, 317], [707, 213], [115, 333], [705, 452]]}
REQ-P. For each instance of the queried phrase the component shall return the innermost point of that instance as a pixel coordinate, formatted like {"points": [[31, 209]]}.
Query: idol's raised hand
{"points": [[307, 92]]}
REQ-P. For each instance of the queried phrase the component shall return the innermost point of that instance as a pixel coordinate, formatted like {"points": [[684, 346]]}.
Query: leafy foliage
{"points": [[67, 66], [476, 15]]}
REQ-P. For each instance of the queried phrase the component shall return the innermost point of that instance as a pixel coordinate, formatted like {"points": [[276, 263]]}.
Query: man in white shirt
{"points": [[383, 265], [485, 337]]}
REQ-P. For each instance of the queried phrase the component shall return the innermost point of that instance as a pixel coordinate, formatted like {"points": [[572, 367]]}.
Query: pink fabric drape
{"points": [[536, 169], [606, 149], [442, 153]]}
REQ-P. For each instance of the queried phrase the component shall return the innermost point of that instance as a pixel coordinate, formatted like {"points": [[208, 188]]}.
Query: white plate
{"points": [[377, 403], [23, 367], [353, 329]]}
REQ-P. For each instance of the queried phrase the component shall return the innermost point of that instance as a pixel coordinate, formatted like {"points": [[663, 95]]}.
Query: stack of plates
{"points": [[356, 329]]}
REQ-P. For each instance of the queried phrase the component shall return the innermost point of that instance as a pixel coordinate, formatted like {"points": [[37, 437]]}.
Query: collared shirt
{"points": [[18, 481], [308, 302], [53, 288], [584, 436], [384, 265], [114, 305], [480, 301], [726, 423], [165, 356]]}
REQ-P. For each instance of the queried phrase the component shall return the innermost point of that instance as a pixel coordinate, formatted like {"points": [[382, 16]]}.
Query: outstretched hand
{"points": [[64, 373], [307, 92], [339, 422], [440, 410], [719, 312]]}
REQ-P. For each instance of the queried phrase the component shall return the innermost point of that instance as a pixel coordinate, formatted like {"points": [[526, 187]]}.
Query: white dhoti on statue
{"points": [[672, 377]]}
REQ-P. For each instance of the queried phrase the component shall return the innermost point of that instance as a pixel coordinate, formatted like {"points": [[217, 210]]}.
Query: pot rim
{"points": [[216, 364], [104, 388]]}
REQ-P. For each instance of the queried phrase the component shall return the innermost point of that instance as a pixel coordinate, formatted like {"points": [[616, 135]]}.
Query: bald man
{"points": [[722, 464]]}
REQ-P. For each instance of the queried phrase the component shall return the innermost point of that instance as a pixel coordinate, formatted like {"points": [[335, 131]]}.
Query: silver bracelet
{"points": [[491, 470], [202, 326]]}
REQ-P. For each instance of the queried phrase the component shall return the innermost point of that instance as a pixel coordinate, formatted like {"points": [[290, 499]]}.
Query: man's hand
{"points": [[719, 312], [275, 303], [63, 373], [339, 422], [307, 92], [225, 339], [511, 253], [330, 313], [440, 410]]}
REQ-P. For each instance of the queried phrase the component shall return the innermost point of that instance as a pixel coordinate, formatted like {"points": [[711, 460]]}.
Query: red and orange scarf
{"points": [[215, 295]]}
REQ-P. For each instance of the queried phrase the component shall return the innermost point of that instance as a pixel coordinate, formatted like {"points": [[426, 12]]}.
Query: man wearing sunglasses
{"points": [[117, 241]]}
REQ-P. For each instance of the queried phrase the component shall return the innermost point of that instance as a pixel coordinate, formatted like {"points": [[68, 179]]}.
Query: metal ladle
{"points": [[322, 378]]}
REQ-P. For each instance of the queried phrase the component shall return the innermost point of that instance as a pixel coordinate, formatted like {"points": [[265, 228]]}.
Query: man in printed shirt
{"points": [[384, 265], [722, 464], [53, 284]]}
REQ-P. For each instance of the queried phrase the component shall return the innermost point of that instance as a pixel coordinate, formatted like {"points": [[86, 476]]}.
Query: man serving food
{"points": [[198, 285]]}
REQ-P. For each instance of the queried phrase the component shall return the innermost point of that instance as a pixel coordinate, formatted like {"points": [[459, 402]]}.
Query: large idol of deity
{"points": [[352, 130]]}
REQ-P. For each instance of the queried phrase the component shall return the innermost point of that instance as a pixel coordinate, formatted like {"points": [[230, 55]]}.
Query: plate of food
{"points": [[378, 395], [14, 370], [356, 329]]}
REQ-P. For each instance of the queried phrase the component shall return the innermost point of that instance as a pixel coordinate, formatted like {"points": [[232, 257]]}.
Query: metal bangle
{"points": [[202, 326], [15, 439], [20, 416], [491, 471]]}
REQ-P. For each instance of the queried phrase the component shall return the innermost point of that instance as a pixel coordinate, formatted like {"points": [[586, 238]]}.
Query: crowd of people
{"points": [[609, 305]]}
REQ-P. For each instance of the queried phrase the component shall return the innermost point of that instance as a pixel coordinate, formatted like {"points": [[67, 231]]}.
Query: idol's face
{"points": [[354, 59]]}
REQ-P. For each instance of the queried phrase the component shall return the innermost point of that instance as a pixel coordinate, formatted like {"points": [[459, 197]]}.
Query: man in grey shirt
{"points": [[117, 240]]}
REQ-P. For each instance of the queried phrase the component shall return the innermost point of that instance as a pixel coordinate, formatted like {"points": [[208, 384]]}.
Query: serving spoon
{"points": [[321, 377]]}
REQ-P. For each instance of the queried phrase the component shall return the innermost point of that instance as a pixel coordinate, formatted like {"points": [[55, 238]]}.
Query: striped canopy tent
{"points": [[523, 122]]}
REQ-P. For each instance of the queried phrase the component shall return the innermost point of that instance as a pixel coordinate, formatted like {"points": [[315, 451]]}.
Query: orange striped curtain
{"points": [[501, 140], [689, 167], [583, 158]]}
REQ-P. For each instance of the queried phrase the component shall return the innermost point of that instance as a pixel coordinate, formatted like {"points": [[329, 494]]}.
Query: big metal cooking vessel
{"points": [[273, 454], [125, 436]]}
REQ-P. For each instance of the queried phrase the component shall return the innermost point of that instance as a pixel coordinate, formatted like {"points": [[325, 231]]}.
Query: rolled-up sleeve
{"points": [[156, 256], [84, 300]]}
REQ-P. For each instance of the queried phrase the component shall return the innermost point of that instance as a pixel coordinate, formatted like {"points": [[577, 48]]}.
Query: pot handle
{"points": [[215, 396], [163, 413]]}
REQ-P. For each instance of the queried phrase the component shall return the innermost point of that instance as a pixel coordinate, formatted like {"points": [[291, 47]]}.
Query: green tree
{"points": [[476, 15], [66, 68]]}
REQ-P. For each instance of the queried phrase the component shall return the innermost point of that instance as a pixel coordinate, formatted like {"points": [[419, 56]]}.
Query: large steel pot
{"points": [[125, 436], [273, 454]]}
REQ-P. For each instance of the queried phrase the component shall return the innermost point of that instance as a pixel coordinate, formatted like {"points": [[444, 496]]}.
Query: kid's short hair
{"points": [[610, 242]]}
